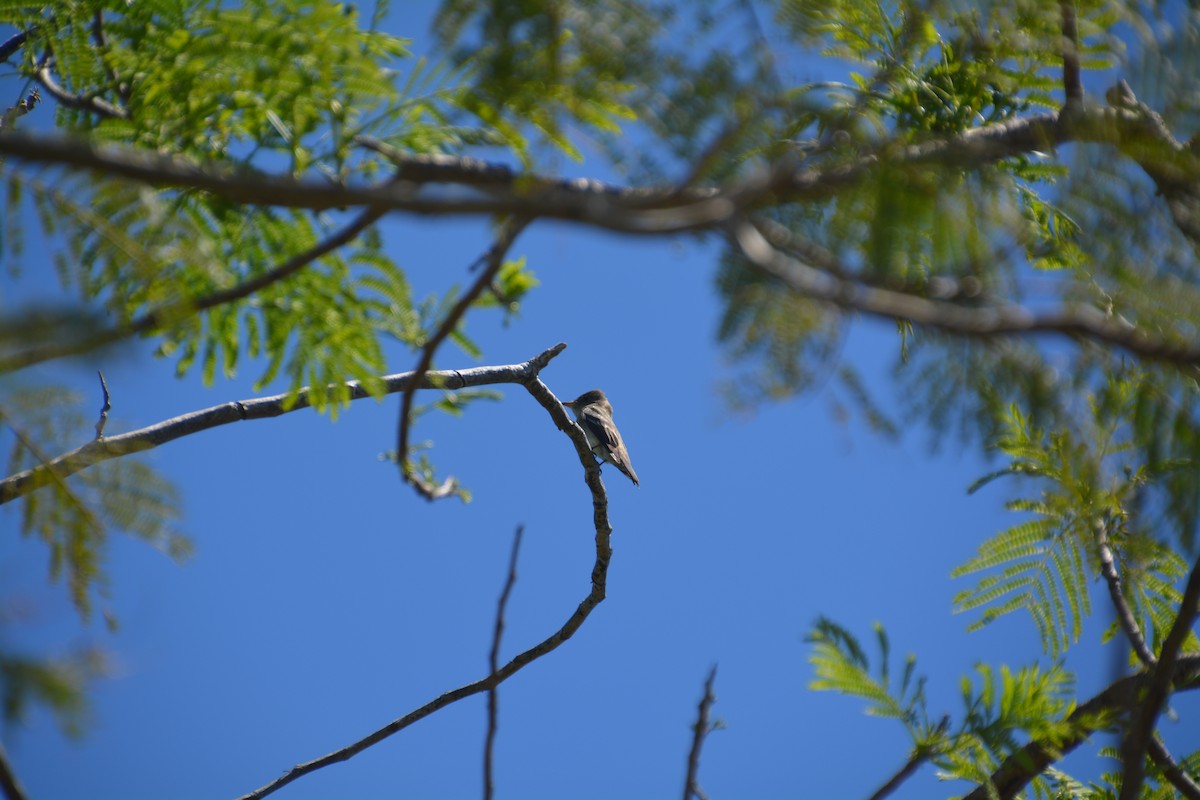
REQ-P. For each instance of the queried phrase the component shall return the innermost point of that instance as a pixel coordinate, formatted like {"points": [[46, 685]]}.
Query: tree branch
{"points": [[82, 102], [1015, 773], [700, 730], [1108, 568], [14, 43], [137, 441], [472, 187], [162, 315], [494, 664], [8, 779], [599, 580], [493, 260], [1072, 85], [1140, 732], [1174, 773], [980, 322]]}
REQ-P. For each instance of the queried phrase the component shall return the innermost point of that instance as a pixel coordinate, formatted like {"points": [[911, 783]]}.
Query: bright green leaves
{"points": [[1091, 485], [1002, 709], [213, 80], [841, 665], [75, 515], [1040, 562]]}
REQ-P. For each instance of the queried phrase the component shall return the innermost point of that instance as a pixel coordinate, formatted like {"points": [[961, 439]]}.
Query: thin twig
{"points": [[1174, 773], [98, 450], [981, 322], [1146, 709], [165, 314], [1021, 767], [20, 109], [494, 664], [1108, 568], [104, 409], [494, 260], [8, 779], [599, 580], [920, 755], [700, 730]]}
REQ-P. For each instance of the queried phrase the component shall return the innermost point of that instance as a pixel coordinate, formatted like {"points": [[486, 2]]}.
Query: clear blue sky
{"points": [[325, 599]]}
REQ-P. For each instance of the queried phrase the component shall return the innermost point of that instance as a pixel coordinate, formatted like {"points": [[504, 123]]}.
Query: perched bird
{"points": [[594, 414]]}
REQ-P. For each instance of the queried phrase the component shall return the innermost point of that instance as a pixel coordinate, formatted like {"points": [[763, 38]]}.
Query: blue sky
{"points": [[325, 599]]}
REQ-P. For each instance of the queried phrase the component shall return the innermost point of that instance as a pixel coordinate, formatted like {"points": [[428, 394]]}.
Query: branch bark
{"points": [[985, 321], [599, 579], [1112, 578], [142, 439]]}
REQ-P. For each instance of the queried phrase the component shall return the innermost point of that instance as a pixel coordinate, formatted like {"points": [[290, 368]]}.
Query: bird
{"points": [[594, 414]]}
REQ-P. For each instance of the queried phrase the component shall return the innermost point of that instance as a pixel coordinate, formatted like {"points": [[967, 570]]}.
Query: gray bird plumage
{"points": [[594, 414]]}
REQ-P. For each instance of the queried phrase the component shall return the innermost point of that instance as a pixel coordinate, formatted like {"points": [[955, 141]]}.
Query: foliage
{"points": [[1105, 443]]}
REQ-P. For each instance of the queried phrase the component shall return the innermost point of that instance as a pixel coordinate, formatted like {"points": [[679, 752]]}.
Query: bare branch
{"points": [[163, 315], [1146, 709], [599, 579], [493, 260], [981, 322], [137, 441], [1112, 578], [494, 664], [8, 779], [700, 730], [1182, 781], [1015, 773]]}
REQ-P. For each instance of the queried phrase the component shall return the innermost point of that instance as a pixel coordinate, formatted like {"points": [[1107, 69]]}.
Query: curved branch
{"points": [[493, 259], [82, 102], [599, 581], [163, 314], [982, 322], [137, 441], [1015, 773], [14, 43]]}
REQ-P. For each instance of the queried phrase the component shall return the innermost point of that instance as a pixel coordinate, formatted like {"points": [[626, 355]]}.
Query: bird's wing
{"points": [[602, 427]]}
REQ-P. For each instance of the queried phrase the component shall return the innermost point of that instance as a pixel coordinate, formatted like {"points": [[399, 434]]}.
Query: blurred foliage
{"points": [[720, 90], [74, 515], [58, 684]]}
